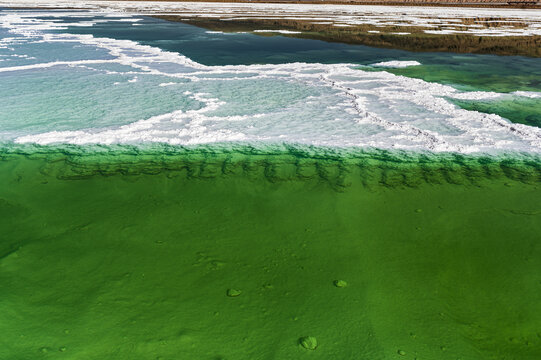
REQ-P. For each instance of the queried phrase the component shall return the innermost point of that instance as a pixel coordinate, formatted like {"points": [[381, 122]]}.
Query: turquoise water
{"points": [[469, 71], [27, 98]]}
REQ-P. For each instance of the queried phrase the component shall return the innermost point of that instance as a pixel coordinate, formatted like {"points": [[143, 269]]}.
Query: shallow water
{"points": [[139, 187], [471, 71]]}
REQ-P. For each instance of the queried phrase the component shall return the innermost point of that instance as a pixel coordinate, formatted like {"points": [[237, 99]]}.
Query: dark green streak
{"points": [[130, 255], [483, 73], [518, 110]]}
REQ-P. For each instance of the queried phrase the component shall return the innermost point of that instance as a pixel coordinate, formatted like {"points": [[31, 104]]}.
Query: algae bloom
{"points": [[308, 342]]}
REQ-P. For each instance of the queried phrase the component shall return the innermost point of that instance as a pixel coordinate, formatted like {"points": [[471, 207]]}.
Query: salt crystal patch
{"points": [[397, 64], [278, 31]]}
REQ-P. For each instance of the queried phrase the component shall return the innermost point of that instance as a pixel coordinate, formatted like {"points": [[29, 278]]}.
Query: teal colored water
{"points": [[27, 104], [468, 71]]}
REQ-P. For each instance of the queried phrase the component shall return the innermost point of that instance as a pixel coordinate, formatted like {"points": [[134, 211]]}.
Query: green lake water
{"points": [[131, 256]]}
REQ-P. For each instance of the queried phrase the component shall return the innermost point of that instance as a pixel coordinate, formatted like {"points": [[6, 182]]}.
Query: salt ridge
{"points": [[396, 64]]}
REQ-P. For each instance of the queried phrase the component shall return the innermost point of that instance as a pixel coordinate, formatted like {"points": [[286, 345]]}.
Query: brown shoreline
{"points": [[404, 37], [416, 41], [481, 4]]}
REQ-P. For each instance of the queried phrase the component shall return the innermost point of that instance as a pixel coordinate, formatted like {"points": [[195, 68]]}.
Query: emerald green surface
{"points": [[132, 255], [464, 74], [518, 110]]}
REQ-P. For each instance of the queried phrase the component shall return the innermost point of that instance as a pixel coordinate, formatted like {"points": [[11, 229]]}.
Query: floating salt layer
{"points": [[278, 31], [397, 64]]}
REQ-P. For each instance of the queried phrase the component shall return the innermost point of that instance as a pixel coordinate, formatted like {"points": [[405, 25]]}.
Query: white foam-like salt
{"points": [[528, 94], [278, 31], [55, 63], [397, 63]]}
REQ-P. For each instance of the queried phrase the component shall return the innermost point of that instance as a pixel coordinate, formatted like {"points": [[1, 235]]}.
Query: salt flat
{"points": [[433, 20]]}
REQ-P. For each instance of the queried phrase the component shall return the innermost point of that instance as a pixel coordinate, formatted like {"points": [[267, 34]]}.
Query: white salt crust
{"points": [[438, 20]]}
